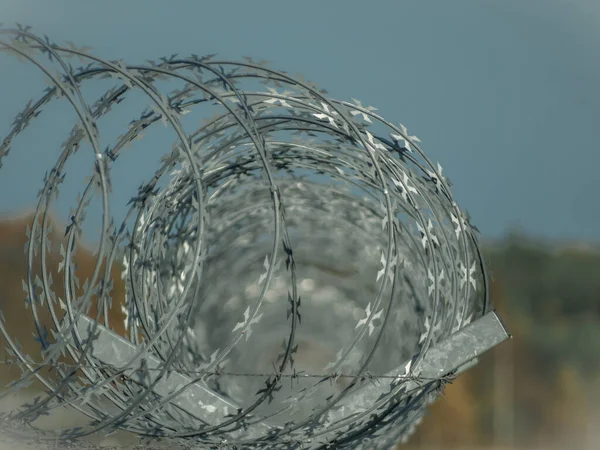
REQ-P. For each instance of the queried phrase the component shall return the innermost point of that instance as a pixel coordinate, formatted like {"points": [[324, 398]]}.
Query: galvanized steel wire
{"points": [[279, 187]]}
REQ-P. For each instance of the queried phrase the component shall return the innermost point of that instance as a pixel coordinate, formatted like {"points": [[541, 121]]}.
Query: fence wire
{"points": [[287, 252]]}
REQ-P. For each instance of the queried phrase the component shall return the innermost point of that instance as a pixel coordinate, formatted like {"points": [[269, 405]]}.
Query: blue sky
{"points": [[504, 94]]}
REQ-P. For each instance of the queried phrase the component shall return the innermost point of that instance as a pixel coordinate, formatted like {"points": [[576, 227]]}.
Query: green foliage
{"points": [[548, 283], [555, 291]]}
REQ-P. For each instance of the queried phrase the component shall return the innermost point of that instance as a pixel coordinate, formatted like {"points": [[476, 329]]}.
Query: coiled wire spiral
{"points": [[288, 253]]}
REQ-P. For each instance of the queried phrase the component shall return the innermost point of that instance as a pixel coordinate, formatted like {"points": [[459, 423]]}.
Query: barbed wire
{"points": [[289, 232]]}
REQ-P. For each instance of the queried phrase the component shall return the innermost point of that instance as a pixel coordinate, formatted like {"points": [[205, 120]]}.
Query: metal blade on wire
{"points": [[457, 353], [198, 399]]}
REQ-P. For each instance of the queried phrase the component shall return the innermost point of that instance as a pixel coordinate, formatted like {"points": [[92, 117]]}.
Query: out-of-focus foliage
{"points": [[542, 388], [18, 318], [553, 296]]}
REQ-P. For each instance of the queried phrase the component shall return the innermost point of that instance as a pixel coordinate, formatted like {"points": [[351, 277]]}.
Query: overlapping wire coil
{"points": [[295, 254]]}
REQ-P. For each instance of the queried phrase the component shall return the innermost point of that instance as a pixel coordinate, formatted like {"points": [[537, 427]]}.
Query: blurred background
{"points": [[504, 94], [540, 390]]}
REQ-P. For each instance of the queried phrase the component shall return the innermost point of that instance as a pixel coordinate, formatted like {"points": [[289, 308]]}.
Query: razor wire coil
{"points": [[280, 188]]}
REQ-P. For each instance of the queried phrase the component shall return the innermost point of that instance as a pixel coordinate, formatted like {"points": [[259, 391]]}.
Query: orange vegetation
{"points": [[18, 318]]}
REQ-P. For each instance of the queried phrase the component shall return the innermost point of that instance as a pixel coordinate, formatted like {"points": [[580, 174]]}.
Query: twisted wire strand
{"points": [[366, 376], [282, 186]]}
